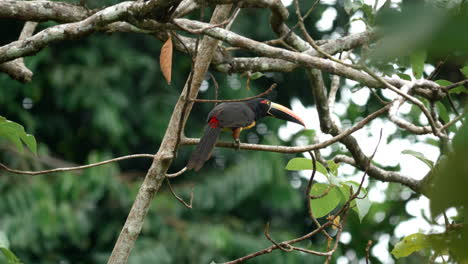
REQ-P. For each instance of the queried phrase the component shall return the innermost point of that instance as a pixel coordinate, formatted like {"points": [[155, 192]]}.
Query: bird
{"points": [[235, 117]]}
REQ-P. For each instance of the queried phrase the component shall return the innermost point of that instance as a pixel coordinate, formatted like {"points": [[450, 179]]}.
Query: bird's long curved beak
{"points": [[282, 112]]}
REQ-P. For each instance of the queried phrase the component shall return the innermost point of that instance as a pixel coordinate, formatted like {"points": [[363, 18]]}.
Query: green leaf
{"points": [[360, 206], [12, 137], [4, 243], [387, 69], [410, 244], [305, 164], [464, 70], [10, 256], [442, 111], [404, 76], [333, 167], [419, 156], [256, 75], [4, 248], [352, 6], [333, 180], [322, 206], [443, 82], [457, 90], [309, 133], [30, 142], [417, 60], [448, 185], [369, 12], [15, 133]]}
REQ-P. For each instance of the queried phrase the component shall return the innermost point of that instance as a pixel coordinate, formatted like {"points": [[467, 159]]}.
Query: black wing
{"points": [[237, 114]]}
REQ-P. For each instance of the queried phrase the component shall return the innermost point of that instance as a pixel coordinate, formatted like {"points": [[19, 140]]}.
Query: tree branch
{"points": [[95, 22], [16, 68], [295, 57], [383, 175], [299, 149], [273, 86], [4, 167], [157, 172], [43, 11], [266, 64], [361, 161]]}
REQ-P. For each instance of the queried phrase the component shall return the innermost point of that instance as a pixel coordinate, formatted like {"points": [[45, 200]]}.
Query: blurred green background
{"points": [[104, 96]]}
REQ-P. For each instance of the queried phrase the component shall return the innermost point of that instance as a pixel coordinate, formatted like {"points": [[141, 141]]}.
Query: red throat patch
{"points": [[214, 122]]}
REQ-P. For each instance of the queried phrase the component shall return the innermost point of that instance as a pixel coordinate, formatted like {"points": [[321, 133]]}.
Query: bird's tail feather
{"points": [[203, 151]]}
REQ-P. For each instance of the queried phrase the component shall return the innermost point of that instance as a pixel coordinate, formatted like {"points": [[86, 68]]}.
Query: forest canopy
{"points": [[103, 103]]}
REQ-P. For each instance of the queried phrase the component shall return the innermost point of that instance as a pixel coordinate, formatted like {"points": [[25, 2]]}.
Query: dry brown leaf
{"points": [[165, 59]]}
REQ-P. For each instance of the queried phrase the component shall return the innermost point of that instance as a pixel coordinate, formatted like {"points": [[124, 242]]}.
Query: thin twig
{"points": [[356, 194], [322, 194], [267, 234], [273, 86], [202, 30], [280, 40], [4, 167], [309, 197], [189, 87], [437, 69], [173, 175], [296, 149], [454, 85], [452, 105], [311, 41], [233, 17], [408, 97], [273, 247], [381, 100], [335, 84], [446, 220], [215, 85], [329, 253], [369, 245], [453, 121], [188, 205], [192, 56]]}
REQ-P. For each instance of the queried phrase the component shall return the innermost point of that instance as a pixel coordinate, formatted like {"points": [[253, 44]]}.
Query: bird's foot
{"points": [[237, 142]]}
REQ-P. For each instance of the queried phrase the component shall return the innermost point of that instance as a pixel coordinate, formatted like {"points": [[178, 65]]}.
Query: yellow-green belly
{"points": [[242, 128]]}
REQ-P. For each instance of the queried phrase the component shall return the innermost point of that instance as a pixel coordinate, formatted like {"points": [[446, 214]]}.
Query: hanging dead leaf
{"points": [[165, 59]]}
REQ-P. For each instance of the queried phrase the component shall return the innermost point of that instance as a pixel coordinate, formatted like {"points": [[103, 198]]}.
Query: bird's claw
{"points": [[237, 142]]}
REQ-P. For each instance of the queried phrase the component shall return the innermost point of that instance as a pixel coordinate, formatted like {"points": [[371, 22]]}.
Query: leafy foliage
{"points": [[15, 133], [410, 244], [4, 248], [336, 192], [420, 157], [104, 96]]}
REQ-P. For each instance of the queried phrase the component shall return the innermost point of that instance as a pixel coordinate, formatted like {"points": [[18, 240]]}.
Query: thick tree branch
{"points": [[291, 56], [43, 11], [266, 64], [360, 160], [163, 158], [97, 21], [16, 68]]}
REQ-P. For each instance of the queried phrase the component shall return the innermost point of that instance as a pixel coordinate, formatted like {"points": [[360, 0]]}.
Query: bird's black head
{"points": [[264, 107]]}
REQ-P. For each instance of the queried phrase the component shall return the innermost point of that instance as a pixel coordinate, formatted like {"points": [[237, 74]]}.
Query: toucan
{"points": [[235, 117]]}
